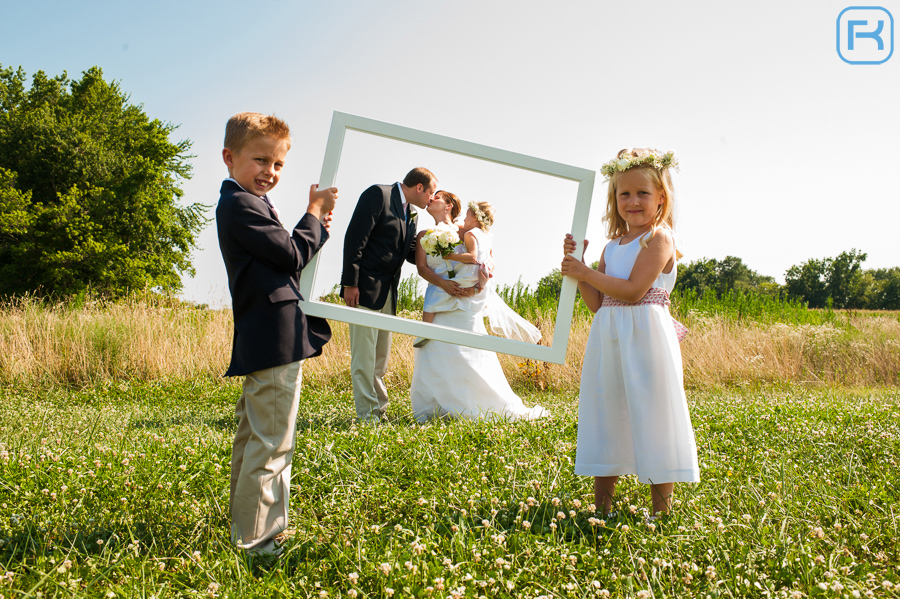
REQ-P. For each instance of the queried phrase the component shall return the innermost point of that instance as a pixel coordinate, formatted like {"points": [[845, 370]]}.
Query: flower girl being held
{"points": [[632, 414], [480, 216]]}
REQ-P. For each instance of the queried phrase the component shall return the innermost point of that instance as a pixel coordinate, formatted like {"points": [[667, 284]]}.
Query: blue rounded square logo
{"points": [[865, 35]]}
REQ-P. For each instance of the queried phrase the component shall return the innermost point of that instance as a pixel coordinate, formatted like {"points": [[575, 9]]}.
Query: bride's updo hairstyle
{"points": [[451, 200], [653, 165]]}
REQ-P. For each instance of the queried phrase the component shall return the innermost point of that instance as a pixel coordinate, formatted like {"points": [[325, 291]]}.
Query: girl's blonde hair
{"points": [[661, 178], [484, 214]]}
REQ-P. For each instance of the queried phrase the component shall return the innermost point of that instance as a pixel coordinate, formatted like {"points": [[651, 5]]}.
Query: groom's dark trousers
{"points": [[380, 236], [272, 336]]}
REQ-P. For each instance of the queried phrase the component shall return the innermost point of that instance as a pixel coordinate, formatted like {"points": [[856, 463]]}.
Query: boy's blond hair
{"points": [[244, 127]]}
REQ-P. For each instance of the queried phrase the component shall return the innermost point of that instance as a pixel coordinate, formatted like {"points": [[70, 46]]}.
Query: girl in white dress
{"points": [[632, 412]]}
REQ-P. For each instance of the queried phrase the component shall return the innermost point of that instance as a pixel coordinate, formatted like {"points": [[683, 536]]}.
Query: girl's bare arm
{"points": [[471, 251], [651, 261]]}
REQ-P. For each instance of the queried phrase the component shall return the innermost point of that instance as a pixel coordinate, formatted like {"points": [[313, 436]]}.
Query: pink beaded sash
{"points": [[656, 296]]}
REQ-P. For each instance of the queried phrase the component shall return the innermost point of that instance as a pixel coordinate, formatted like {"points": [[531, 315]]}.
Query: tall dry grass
{"points": [[157, 339], [143, 338]]}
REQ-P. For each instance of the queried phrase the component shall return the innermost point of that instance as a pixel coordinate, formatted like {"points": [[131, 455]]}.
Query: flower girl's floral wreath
{"points": [[483, 219], [653, 158]]}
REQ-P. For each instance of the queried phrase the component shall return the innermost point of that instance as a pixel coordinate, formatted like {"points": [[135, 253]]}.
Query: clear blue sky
{"points": [[787, 152]]}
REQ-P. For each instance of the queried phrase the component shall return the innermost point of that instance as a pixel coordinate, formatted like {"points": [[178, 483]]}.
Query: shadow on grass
{"points": [[93, 539], [224, 423]]}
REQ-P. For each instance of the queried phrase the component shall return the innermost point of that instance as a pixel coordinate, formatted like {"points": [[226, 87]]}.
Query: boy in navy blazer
{"points": [[272, 336]]}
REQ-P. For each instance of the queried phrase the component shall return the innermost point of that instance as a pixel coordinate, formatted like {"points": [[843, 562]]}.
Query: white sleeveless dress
{"points": [[632, 411], [464, 382]]}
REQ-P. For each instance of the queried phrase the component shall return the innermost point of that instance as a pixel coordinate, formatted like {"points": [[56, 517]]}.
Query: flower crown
{"points": [[652, 158], [483, 219]]}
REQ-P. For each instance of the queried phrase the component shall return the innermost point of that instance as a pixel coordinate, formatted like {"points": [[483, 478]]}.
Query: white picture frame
{"points": [[556, 351]]}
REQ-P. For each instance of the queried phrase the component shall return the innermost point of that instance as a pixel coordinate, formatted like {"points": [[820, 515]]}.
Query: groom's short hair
{"points": [[418, 175], [244, 127]]}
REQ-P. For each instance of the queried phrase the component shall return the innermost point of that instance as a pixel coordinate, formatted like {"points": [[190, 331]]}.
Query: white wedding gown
{"points": [[464, 382]]}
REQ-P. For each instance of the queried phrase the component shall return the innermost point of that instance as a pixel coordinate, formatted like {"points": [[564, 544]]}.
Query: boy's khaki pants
{"points": [[261, 456]]}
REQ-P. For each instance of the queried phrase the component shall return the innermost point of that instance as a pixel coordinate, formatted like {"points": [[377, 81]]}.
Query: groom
{"points": [[380, 236]]}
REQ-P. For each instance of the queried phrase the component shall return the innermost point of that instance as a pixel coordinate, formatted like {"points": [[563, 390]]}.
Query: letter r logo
{"points": [[865, 35]]}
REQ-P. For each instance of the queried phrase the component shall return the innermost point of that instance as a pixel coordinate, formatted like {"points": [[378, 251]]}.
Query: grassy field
{"points": [[120, 490], [116, 427]]}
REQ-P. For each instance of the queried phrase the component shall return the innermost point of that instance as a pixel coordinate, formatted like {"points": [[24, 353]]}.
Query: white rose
{"points": [[623, 164]]}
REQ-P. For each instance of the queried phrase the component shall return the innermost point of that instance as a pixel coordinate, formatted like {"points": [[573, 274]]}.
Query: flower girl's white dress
{"points": [[464, 382], [632, 411]]}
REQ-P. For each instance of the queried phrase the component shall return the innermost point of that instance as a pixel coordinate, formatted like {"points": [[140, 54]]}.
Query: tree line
{"points": [[839, 282]]}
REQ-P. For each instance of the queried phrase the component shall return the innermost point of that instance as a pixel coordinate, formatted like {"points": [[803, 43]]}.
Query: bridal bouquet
{"points": [[440, 240]]}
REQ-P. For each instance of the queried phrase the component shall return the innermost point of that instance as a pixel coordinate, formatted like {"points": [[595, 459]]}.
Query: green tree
{"points": [[807, 282], [839, 280], [723, 276], [886, 293], [89, 190]]}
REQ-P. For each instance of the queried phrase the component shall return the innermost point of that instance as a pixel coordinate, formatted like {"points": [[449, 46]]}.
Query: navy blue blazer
{"points": [[379, 238], [264, 261]]}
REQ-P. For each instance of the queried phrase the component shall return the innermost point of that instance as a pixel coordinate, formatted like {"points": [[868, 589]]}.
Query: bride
{"points": [[453, 380]]}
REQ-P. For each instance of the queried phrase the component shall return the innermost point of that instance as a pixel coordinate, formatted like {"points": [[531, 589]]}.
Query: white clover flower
{"points": [[353, 577]]}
